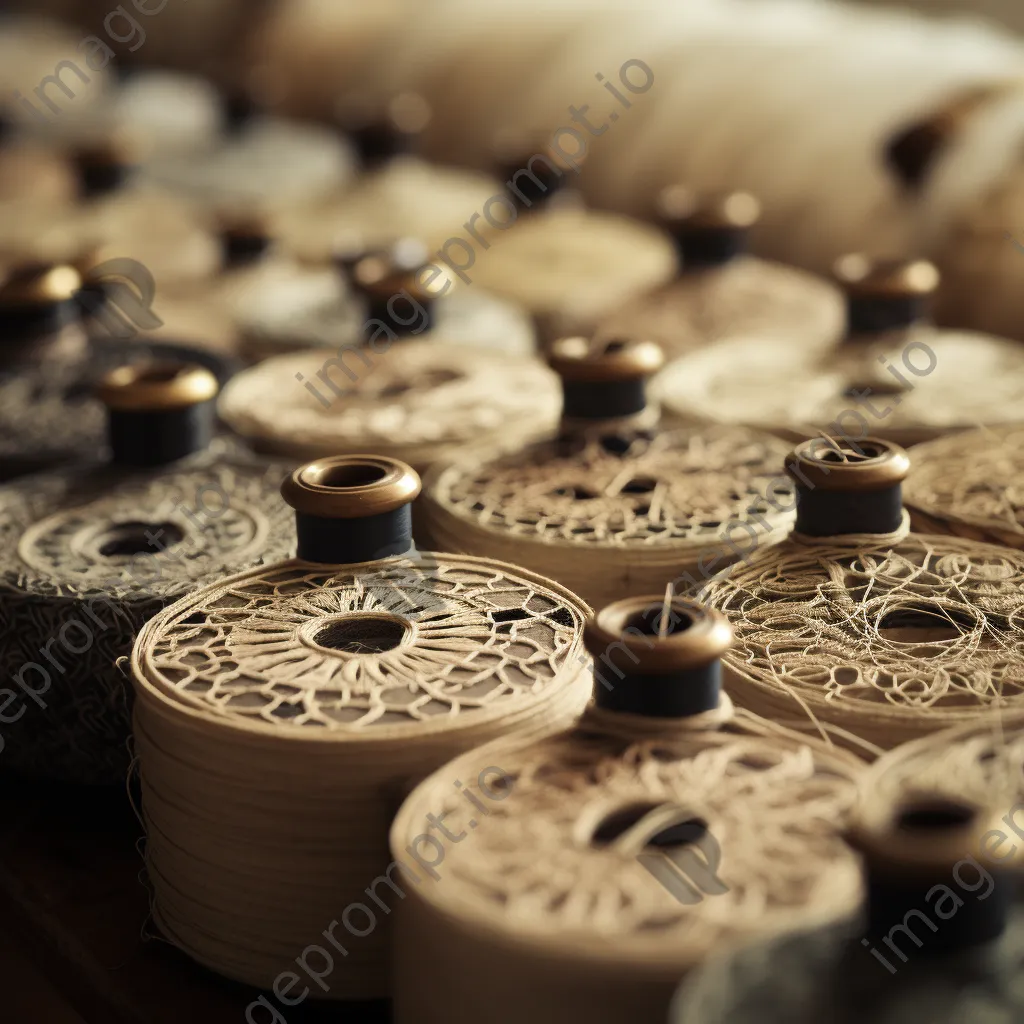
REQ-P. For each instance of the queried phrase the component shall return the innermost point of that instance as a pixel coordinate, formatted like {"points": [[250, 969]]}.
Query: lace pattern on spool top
{"points": [[419, 401], [558, 877], [875, 639], [901, 380], [967, 485], [327, 689], [91, 552], [648, 503], [721, 292]]}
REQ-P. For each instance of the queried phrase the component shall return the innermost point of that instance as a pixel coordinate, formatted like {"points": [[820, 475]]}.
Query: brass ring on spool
{"points": [[838, 464], [611, 635], [579, 359], [351, 486], [156, 386]]}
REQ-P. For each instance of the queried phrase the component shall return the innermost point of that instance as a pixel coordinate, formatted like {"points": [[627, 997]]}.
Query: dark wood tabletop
{"points": [[74, 910]]}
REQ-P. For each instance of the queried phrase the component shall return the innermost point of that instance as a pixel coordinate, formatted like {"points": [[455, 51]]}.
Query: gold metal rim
{"points": [[877, 465], [351, 486], [679, 205], [157, 385], [862, 275], [42, 285], [707, 636], [583, 360]]}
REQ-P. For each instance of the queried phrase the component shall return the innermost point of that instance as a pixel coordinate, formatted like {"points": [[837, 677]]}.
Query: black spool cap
{"points": [[158, 412], [352, 508], [604, 379], [532, 176], [884, 295], [846, 487], [380, 135], [709, 232], [640, 672], [244, 242], [396, 295], [36, 300], [104, 168], [928, 842]]}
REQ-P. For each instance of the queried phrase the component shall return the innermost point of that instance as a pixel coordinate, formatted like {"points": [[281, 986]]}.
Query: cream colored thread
{"points": [[826, 653], [535, 895], [260, 827], [856, 540], [968, 484], [531, 507]]}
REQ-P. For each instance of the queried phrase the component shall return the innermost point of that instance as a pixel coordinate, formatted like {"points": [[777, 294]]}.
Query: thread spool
{"points": [[535, 178], [722, 292], [93, 550], [893, 377], [964, 484], [379, 136], [874, 639], [48, 410], [272, 302], [420, 404], [981, 764], [392, 293], [921, 860], [567, 265], [409, 660], [105, 167], [38, 315], [614, 857], [885, 295], [611, 505], [261, 160], [848, 487], [158, 413]]}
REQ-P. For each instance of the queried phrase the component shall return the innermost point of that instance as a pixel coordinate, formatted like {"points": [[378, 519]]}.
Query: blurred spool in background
{"points": [[421, 403], [939, 933]]}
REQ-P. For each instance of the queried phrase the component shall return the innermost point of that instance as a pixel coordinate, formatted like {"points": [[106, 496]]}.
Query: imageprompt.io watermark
{"points": [[459, 253]]}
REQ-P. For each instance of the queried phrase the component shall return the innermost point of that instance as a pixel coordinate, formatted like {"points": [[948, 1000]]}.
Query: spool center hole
{"points": [[363, 634], [159, 374], [648, 621], [935, 817], [615, 824], [922, 626], [126, 539], [352, 475], [847, 453]]}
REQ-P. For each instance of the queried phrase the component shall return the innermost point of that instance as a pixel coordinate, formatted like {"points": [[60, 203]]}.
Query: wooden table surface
{"points": [[73, 908]]}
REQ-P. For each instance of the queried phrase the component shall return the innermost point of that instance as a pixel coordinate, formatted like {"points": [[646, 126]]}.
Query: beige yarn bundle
{"points": [[873, 636], [421, 402], [611, 506], [282, 713], [557, 899], [968, 485]]}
